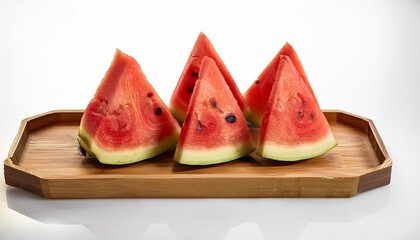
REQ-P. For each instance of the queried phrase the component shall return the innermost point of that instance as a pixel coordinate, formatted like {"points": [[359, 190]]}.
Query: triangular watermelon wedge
{"points": [[293, 127], [215, 129], [126, 121], [258, 93], [181, 95]]}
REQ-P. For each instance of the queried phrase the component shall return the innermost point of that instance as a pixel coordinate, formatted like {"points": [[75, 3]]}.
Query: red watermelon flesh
{"points": [[258, 93], [293, 127], [180, 99], [126, 121], [215, 129]]}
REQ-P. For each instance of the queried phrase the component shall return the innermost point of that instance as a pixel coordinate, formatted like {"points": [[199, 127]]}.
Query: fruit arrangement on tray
{"points": [[208, 120]]}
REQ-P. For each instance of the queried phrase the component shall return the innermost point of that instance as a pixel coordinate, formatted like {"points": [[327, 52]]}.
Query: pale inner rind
{"points": [[299, 152], [212, 156], [125, 156]]}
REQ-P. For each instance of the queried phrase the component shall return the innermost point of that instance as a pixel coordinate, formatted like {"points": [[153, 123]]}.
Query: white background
{"points": [[360, 56]]}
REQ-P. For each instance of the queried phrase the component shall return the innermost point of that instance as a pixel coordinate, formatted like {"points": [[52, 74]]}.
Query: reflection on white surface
{"points": [[245, 231], [188, 218]]}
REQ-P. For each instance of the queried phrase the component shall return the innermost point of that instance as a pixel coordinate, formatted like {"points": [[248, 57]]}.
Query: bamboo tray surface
{"points": [[44, 159]]}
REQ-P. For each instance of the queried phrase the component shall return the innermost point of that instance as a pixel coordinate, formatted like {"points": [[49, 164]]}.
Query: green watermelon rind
{"points": [[178, 115], [299, 152], [125, 156], [255, 119], [213, 156]]}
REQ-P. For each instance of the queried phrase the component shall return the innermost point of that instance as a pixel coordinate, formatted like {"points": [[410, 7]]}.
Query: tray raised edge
{"points": [[377, 176]]}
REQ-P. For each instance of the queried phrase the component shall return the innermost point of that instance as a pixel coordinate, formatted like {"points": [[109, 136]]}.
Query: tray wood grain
{"points": [[44, 159]]}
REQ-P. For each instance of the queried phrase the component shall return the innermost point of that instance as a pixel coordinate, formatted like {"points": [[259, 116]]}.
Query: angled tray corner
{"points": [[44, 159]]}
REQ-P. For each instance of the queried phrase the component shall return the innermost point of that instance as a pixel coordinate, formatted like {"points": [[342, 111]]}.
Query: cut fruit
{"points": [[293, 127], [215, 129], [258, 93], [126, 121], [180, 99]]}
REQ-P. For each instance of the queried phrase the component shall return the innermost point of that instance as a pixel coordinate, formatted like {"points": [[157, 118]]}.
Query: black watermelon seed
{"points": [[194, 74], [312, 116], [149, 94], [300, 114], [158, 111], [257, 81], [213, 103], [230, 118], [190, 89], [104, 101]]}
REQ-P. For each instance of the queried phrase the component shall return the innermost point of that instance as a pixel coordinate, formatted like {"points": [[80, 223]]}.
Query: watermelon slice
{"points": [[293, 127], [180, 99], [258, 93], [215, 129], [126, 121]]}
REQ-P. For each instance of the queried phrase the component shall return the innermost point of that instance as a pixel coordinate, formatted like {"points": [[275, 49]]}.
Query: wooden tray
{"points": [[44, 159]]}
